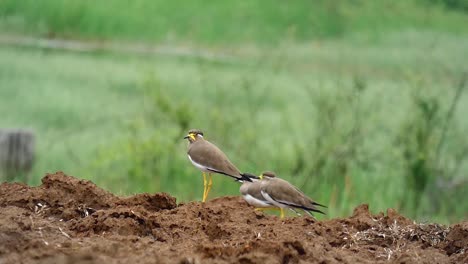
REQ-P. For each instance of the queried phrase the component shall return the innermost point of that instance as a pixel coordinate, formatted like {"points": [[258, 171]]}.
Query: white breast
{"points": [[199, 166], [255, 202]]}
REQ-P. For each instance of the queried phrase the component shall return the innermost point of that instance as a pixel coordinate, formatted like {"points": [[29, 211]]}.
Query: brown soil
{"points": [[67, 220]]}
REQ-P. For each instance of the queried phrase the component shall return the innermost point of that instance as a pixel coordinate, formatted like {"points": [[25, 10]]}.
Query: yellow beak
{"points": [[191, 135]]}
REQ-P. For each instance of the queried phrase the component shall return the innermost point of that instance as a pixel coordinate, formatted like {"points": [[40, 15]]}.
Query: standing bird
{"points": [[283, 194], [210, 159]]}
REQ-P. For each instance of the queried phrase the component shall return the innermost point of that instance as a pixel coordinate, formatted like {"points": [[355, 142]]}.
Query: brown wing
{"points": [[209, 155], [253, 189], [285, 193]]}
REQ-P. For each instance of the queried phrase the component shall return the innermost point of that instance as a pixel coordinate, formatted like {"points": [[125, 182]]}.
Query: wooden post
{"points": [[16, 154]]}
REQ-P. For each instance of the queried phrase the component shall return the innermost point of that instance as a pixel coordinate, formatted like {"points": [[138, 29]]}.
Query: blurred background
{"points": [[353, 101]]}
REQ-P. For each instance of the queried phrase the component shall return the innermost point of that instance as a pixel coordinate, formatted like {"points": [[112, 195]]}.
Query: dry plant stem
{"points": [[450, 114]]}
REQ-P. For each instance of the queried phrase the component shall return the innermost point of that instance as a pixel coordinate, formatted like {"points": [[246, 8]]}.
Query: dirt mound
{"points": [[71, 220]]}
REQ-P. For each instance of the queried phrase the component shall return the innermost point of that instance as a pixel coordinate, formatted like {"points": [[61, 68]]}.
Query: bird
{"points": [[251, 192], [208, 158], [283, 194]]}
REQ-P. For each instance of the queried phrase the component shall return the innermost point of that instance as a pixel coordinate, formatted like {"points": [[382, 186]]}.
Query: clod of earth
{"points": [[70, 220]]}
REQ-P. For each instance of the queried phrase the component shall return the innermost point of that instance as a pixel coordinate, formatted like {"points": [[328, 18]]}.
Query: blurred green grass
{"points": [[321, 96], [226, 22]]}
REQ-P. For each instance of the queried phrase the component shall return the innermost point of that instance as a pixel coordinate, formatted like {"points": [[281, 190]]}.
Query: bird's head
{"points": [[267, 175], [194, 135]]}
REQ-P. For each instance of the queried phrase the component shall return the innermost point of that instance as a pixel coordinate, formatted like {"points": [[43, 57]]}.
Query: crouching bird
{"points": [[208, 158], [252, 193], [270, 192]]}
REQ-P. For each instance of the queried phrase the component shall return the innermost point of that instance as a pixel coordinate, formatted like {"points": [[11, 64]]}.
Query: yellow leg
{"points": [[204, 187], [271, 208], [208, 187], [266, 208]]}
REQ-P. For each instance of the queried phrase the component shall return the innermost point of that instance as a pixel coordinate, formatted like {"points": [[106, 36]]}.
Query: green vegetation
{"points": [[360, 107], [226, 22]]}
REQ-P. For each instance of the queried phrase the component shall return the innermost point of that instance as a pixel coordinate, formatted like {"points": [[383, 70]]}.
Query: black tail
{"points": [[244, 176], [247, 177], [313, 208], [311, 214], [310, 210], [321, 205]]}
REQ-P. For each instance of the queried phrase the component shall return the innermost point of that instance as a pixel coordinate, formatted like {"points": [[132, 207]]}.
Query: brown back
{"points": [[286, 193], [207, 154]]}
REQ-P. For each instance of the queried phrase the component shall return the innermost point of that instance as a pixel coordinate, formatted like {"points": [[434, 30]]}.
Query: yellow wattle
{"points": [[192, 136]]}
